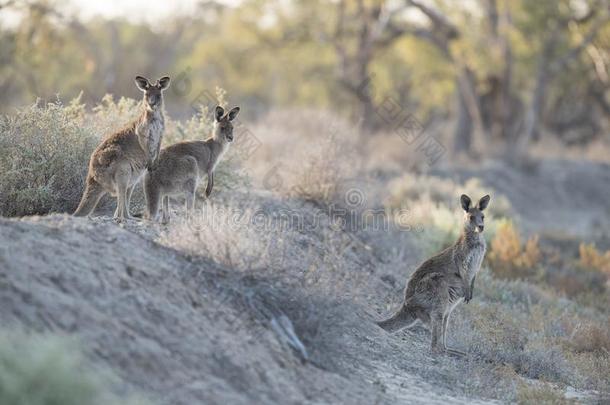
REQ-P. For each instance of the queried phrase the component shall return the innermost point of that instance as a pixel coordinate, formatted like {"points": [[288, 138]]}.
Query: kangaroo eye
{"points": [[482, 216]]}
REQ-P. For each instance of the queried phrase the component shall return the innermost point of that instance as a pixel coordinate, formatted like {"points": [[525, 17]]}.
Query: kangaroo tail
{"points": [[91, 196], [403, 318]]}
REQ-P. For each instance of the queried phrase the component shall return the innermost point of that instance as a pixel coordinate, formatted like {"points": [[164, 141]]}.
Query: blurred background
{"points": [[487, 76]]}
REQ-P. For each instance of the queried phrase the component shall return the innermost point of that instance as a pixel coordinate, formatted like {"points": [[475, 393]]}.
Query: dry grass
{"points": [[287, 239], [540, 394], [536, 333], [308, 154], [589, 337]]}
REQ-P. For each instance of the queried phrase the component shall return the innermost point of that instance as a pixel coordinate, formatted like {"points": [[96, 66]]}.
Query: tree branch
{"points": [[575, 51], [441, 22]]}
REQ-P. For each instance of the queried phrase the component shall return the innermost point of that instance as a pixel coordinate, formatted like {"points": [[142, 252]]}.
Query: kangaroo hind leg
{"points": [[122, 185]]}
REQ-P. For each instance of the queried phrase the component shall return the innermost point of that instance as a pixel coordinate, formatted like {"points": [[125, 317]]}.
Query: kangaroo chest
{"points": [[155, 133], [215, 156], [155, 130], [470, 261], [151, 132]]}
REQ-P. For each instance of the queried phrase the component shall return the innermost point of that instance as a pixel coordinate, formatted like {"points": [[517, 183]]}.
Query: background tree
{"points": [[500, 74]]}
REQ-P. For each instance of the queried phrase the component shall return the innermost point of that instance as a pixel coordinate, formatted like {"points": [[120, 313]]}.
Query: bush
{"points": [[588, 337], [536, 333], [44, 370], [322, 173], [592, 259], [312, 153], [509, 257], [110, 115], [540, 394], [44, 151], [520, 341]]}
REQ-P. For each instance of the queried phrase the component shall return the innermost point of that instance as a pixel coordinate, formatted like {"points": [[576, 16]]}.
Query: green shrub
{"points": [[44, 151], [45, 370]]}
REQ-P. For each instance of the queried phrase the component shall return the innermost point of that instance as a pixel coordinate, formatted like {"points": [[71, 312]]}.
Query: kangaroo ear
{"points": [[163, 82], [465, 202], [483, 202], [219, 112], [142, 83], [233, 113]]}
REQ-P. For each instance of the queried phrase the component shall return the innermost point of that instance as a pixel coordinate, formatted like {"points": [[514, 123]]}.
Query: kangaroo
{"points": [[444, 281], [182, 165], [119, 162]]}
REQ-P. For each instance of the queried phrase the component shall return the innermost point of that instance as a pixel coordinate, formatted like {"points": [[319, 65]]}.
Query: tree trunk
{"points": [[469, 115], [534, 111], [462, 136]]}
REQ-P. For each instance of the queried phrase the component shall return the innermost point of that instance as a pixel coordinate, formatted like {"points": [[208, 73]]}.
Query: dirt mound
{"points": [[183, 330]]}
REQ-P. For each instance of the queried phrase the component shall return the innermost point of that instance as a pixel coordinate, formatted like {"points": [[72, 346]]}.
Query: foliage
{"points": [[44, 151], [46, 370], [592, 259], [509, 257], [292, 61]]}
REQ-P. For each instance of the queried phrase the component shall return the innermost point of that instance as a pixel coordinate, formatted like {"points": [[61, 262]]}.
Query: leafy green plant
{"points": [[45, 370], [44, 150]]}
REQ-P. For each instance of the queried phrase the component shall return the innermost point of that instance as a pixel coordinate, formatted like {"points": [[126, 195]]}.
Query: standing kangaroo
{"points": [[119, 162], [444, 280], [182, 165]]}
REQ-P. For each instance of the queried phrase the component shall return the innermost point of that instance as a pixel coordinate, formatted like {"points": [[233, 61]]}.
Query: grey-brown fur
{"points": [[119, 162], [444, 281], [181, 166]]}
